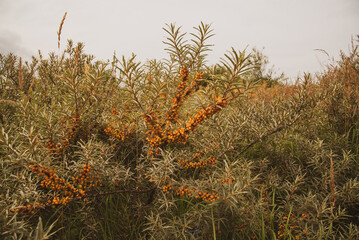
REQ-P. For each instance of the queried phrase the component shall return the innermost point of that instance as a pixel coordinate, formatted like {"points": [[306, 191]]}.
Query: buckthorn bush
{"points": [[175, 148]]}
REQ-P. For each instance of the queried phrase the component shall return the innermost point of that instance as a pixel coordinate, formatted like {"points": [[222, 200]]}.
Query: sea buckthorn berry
{"points": [[197, 163], [167, 188], [69, 191], [120, 134]]}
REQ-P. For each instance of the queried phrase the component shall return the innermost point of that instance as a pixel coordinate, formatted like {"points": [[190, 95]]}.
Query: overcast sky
{"points": [[289, 30]]}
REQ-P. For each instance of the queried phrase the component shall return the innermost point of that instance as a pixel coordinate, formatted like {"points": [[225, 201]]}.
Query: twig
{"points": [[122, 191]]}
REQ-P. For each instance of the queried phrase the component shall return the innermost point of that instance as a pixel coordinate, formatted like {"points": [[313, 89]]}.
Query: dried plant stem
{"points": [[76, 56], [59, 32], [20, 75], [9, 101], [332, 186], [213, 224], [28, 91]]}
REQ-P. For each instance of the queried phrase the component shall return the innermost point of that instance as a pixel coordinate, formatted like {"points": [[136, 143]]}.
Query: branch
{"points": [[123, 191]]}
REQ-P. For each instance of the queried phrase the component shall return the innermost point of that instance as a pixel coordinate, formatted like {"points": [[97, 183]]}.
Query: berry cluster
{"points": [[114, 112], [202, 195], [185, 192], [183, 91], [196, 161], [121, 134], [153, 179], [181, 135], [203, 114], [53, 182], [70, 134], [197, 164], [205, 196], [167, 188], [85, 181], [128, 107], [228, 180], [28, 209], [155, 134], [160, 133], [67, 191], [293, 228]]}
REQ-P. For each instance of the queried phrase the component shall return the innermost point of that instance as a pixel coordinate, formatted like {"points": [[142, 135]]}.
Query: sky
{"points": [[287, 31]]}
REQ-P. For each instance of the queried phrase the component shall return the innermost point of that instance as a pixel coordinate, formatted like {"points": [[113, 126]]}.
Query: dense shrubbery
{"points": [[175, 149]]}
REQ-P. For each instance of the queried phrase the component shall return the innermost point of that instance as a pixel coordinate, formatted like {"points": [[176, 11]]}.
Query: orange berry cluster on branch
{"points": [[128, 107], [155, 134], [153, 179], [264, 193], [205, 196], [167, 188], [192, 193], [114, 112], [149, 80], [77, 190], [182, 134], [202, 195], [53, 182], [120, 134], [185, 192], [85, 181], [160, 133], [71, 132], [196, 161], [203, 114], [293, 226], [53, 148], [228, 180], [182, 92], [197, 164], [28, 209], [125, 130]]}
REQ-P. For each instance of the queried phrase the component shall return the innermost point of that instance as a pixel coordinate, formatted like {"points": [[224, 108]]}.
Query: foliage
{"points": [[176, 149]]}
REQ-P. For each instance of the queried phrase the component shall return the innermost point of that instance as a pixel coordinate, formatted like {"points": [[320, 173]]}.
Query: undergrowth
{"points": [[177, 149]]}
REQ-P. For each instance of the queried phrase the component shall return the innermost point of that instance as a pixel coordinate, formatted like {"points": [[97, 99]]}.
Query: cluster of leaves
{"points": [[174, 149]]}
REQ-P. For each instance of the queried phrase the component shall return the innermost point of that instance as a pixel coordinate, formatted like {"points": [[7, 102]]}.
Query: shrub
{"points": [[175, 149]]}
